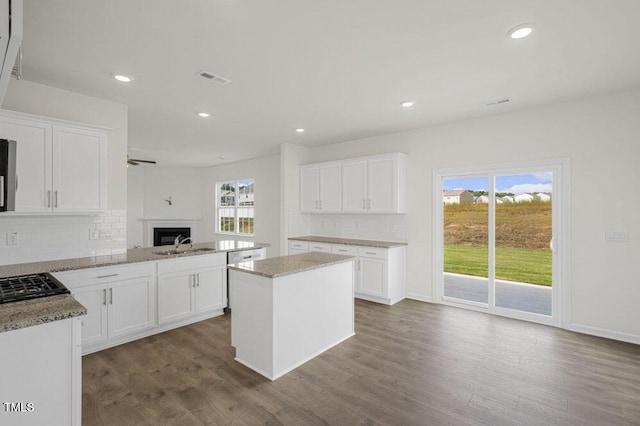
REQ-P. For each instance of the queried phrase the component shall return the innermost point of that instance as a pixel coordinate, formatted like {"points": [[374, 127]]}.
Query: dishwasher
{"points": [[239, 257]]}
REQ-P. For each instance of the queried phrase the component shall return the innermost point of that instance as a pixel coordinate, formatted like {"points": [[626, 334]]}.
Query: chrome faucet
{"points": [[178, 242]]}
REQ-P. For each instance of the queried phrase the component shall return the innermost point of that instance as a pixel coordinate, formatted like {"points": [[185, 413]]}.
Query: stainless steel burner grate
{"points": [[15, 289]]}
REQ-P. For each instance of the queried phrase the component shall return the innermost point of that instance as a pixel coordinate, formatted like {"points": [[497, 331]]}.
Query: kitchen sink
{"points": [[174, 252]]}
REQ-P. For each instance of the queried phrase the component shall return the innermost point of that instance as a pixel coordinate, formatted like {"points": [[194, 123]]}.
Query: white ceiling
{"points": [[338, 68]]}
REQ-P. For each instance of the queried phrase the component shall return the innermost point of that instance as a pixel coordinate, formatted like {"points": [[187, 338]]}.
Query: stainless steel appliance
{"points": [[248, 255], [8, 179], [23, 287]]}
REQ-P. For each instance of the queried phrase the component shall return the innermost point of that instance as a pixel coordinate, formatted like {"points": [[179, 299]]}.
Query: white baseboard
{"points": [[419, 297], [600, 332]]}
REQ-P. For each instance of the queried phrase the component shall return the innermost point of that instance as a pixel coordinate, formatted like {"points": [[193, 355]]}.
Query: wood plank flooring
{"points": [[410, 364]]}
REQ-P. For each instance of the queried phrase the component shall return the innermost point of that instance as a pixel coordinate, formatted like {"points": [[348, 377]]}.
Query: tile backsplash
{"points": [[390, 227], [61, 237]]}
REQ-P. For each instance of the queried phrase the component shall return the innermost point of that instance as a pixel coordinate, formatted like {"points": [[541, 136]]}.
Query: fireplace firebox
{"points": [[166, 236]]}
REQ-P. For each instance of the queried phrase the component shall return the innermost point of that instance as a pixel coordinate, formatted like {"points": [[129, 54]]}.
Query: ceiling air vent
{"points": [[213, 77], [498, 102]]}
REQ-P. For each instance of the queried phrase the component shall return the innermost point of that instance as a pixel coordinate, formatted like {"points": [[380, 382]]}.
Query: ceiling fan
{"points": [[136, 162]]}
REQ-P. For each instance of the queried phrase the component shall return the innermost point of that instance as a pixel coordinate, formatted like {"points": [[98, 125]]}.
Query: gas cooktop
{"points": [[24, 287]]}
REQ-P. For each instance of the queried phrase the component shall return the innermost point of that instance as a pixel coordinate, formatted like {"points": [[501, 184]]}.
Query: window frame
{"points": [[236, 207]]}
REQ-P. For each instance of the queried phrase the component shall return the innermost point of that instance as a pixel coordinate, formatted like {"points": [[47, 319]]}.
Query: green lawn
{"points": [[514, 264]]}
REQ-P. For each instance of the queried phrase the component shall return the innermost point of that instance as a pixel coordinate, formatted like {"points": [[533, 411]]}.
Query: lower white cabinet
{"points": [[191, 286], [120, 300], [380, 273]]}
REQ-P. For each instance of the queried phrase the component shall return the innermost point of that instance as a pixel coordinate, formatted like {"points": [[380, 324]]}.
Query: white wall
{"points": [[601, 136], [150, 186], [292, 222], [266, 173], [58, 237], [34, 98]]}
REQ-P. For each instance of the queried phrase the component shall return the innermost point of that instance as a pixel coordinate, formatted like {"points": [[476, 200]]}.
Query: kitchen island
{"points": [[289, 309]]}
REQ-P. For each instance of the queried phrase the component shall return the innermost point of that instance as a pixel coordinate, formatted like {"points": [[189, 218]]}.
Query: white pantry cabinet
{"points": [[191, 286], [120, 301], [375, 184], [320, 188], [61, 167]]}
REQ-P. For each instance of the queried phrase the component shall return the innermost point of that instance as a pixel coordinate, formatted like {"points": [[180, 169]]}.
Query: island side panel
{"points": [[313, 311], [252, 321]]}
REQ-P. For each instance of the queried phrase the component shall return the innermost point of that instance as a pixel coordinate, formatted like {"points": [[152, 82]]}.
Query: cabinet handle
{"points": [[107, 276], [49, 198], [344, 251], [104, 297], [111, 296], [320, 203], [198, 275], [55, 197], [193, 280], [368, 252]]}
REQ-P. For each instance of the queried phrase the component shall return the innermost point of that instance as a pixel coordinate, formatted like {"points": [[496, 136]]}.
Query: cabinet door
{"points": [[94, 324], [131, 306], [79, 170], [174, 296], [372, 275], [354, 186], [211, 289], [33, 162], [382, 186], [309, 186], [330, 188]]}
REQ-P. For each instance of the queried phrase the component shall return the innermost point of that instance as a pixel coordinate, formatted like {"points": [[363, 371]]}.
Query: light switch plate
{"points": [[93, 234], [616, 235]]}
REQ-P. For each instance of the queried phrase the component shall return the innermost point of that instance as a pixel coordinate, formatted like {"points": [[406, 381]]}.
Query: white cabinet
{"points": [[320, 188], [120, 301], [42, 370], [191, 286], [380, 274], [375, 184], [60, 168]]}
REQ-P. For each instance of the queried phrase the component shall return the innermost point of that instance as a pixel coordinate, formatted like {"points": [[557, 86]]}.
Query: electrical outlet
{"points": [[94, 234], [12, 238]]}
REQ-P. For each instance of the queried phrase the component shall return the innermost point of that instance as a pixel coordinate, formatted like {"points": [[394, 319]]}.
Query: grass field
{"points": [[523, 265], [523, 232]]}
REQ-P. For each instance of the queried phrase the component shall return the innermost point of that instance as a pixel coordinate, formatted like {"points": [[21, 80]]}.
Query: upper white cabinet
{"points": [[60, 168], [320, 188], [374, 184]]}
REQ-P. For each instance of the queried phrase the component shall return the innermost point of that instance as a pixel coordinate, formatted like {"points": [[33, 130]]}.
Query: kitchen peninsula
{"points": [[287, 310]]}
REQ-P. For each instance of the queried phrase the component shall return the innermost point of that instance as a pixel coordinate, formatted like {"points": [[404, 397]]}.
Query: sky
{"points": [[515, 183]]}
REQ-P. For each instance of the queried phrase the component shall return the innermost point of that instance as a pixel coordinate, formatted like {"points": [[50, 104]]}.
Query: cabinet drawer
{"points": [[93, 276], [190, 263], [302, 245], [342, 249], [375, 252], [325, 247]]}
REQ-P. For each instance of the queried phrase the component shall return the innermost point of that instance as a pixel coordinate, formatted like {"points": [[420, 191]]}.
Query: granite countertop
{"points": [[131, 256], [27, 313], [349, 241], [287, 265]]}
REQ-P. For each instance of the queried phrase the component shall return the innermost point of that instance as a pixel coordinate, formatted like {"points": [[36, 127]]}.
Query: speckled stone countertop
{"points": [[287, 265], [27, 313], [131, 256], [350, 242]]}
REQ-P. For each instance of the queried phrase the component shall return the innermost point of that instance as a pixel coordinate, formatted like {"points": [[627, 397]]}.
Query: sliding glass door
{"points": [[496, 238]]}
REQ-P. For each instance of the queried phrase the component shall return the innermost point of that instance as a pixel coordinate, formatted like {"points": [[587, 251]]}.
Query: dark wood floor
{"points": [[410, 364]]}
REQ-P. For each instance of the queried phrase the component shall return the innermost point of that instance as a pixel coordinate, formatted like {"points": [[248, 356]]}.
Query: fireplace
{"points": [[166, 236]]}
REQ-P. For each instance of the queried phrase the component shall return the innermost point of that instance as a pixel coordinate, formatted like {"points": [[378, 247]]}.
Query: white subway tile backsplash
{"points": [[62, 237]]}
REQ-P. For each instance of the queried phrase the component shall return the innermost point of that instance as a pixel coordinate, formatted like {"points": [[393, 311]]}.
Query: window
{"points": [[235, 206]]}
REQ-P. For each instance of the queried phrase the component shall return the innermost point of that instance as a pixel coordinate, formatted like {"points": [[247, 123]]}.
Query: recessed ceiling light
{"points": [[407, 104], [204, 114], [123, 78], [521, 31], [300, 130]]}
